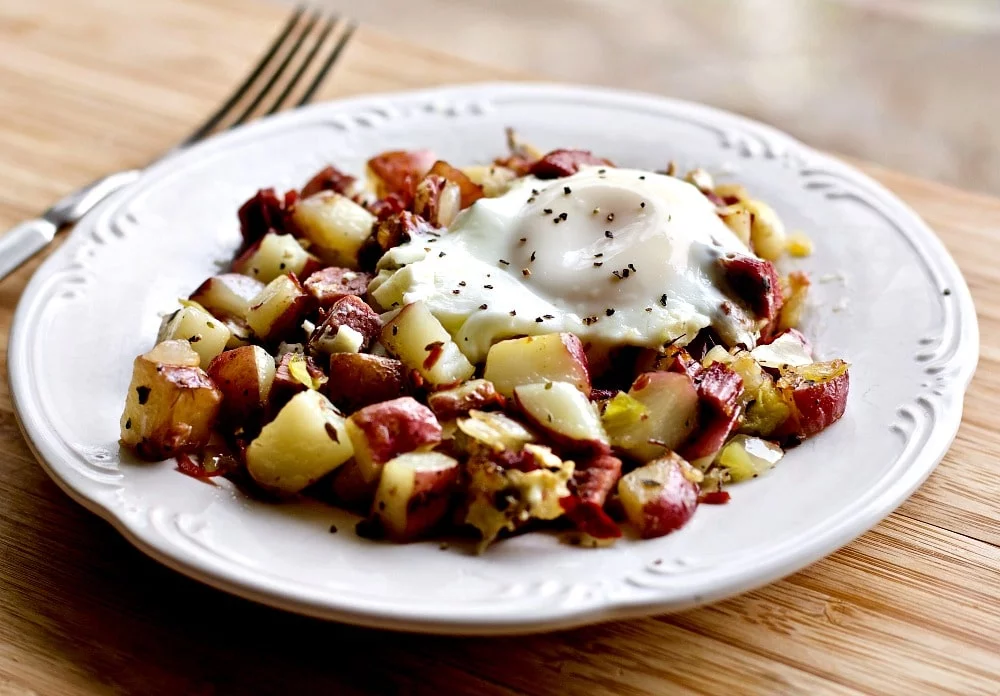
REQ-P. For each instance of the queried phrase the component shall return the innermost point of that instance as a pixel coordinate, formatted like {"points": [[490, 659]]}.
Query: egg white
{"points": [[615, 256]]}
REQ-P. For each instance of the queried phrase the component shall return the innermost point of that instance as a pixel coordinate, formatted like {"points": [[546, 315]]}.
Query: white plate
{"points": [[888, 298]]}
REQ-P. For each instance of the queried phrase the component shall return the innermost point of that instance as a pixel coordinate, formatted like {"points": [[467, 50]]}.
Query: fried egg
{"points": [[616, 256]]}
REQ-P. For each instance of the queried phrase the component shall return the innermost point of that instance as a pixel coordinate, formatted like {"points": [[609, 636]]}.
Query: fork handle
{"points": [[22, 242]]}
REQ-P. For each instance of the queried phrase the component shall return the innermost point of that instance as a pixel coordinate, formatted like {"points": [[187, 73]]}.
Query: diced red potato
{"points": [[264, 212], [414, 494], [399, 171], [659, 497], [244, 376], [478, 394], [564, 414], [593, 481], [330, 179], [207, 335], [559, 163], [350, 326], [228, 295], [360, 379], [172, 404], [816, 395], [291, 379], [279, 308], [437, 200], [755, 282], [417, 338], [306, 441], [385, 430], [470, 191], [532, 359], [659, 412], [274, 255], [333, 283], [336, 227]]}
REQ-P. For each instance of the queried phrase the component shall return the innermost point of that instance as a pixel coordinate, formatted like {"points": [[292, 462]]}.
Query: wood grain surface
{"points": [[912, 607]]}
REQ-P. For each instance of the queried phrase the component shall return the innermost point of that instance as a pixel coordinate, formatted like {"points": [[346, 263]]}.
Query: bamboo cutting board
{"points": [[912, 607]]}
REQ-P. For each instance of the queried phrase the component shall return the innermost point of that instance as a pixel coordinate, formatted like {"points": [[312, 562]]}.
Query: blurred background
{"points": [[909, 84]]}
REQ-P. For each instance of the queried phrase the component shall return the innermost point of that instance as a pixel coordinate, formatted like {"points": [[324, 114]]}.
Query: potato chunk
{"points": [[275, 255], [206, 335], [383, 431], [244, 375], [417, 338], [557, 357], [414, 493], [661, 496], [306, 441], [228, 296], [279, 308], [171, 404], [336, 226]]}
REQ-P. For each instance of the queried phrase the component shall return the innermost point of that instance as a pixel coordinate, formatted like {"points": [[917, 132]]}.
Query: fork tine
{"points": [[278, 72], [297, 77], [209, 125], [330, 60]]}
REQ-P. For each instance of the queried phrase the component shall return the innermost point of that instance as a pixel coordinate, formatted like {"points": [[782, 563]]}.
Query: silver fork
{"points": [[252, 97]]}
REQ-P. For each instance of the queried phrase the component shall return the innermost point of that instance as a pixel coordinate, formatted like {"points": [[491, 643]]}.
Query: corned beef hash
{"points": [[550, 341]]}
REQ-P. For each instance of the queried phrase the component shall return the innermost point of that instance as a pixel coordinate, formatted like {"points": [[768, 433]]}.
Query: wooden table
{"points": [[912, 607]]}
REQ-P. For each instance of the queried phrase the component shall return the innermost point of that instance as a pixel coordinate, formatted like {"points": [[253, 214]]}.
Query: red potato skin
{"points": [[471, 191], [564, 445], [359, 379], [331, 284], [816, 405], [592, 482], [329, 179], [429, 503], [292, 317], [397, 426], [672, 510], [452, 403], [755, 281], [560, 163], [235, 374]]}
